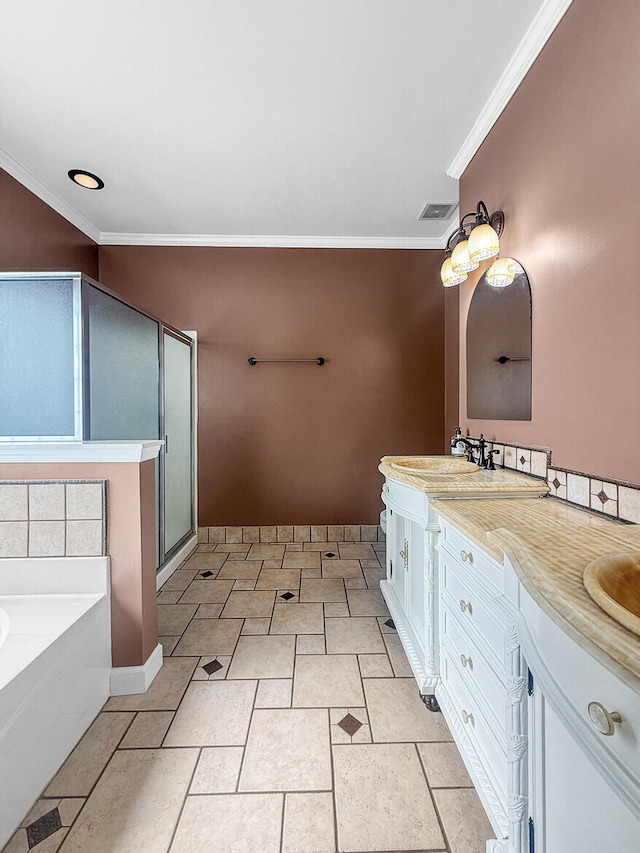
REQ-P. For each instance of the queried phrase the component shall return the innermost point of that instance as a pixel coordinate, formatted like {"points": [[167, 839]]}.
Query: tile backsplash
{"points": [[291, 533], [614, 498], [52, 518]]}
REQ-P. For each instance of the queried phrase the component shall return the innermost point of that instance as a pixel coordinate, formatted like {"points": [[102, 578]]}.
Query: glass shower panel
{"points": [[123, 371], [178, 484], [37, 358]]}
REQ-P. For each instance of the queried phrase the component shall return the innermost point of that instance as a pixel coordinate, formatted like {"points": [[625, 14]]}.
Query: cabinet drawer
{"points": [[483, 683], [466, 551], [475, 610], [403, 498], [481, 734]]}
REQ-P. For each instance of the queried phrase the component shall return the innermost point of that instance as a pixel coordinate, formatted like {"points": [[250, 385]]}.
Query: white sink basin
{"points": [[434, 465]]}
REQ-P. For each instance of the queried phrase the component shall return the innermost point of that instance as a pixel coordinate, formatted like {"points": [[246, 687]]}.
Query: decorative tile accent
{"points": [[287, 596], [390, 623], [43, 827], [350, 724], [212, 666], [206, 574]]}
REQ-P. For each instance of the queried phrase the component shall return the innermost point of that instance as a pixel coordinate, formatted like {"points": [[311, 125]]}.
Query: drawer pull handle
{"points": [[467, 717], [603, 720], [467, 556], [466, 607], [466, 661]]}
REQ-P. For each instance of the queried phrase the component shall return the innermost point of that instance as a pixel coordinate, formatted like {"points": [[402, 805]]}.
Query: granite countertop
{"points": [[501, 481], [549, 544]]}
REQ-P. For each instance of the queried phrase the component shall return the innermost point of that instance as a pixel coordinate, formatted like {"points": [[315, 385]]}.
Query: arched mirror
{"points": [[499, 349]]}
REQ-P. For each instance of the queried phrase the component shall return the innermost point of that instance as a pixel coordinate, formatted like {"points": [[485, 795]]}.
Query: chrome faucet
{"points": [[485, 458]]}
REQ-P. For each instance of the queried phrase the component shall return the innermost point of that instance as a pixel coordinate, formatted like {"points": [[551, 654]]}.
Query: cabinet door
{"points": [[415, 587], [575, 810], [396, 543]]}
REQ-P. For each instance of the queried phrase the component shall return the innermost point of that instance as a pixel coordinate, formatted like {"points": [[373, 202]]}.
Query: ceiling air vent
{"points": [[442, 210]]}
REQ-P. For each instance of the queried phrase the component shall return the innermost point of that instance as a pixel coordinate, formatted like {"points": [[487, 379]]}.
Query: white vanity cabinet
{"points": [[482, 689], [408, 588]]}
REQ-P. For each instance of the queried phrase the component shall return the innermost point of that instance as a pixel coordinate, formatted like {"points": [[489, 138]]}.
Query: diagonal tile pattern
{"points": [[285, 719]]}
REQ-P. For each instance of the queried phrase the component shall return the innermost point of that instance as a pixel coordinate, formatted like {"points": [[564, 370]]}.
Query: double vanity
{"points": [[539, 686]]}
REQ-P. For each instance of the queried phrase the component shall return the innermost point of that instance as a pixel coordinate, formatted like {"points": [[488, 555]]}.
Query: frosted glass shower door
{"points": [[178, 451]]}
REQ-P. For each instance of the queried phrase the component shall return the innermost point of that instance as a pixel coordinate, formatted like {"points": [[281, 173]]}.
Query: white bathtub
{"points": [[55, 663]]}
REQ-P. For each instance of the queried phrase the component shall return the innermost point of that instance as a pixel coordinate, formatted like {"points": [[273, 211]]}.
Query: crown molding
{"points": [[270, 241], [47, 195], [523, 58]]}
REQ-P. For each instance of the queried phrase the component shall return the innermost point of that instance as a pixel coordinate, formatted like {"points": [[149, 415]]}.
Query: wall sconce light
{"points": [[465, 250]]}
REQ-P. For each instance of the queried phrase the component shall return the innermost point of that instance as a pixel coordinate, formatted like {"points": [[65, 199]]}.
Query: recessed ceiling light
{"points": [[86, 179]]}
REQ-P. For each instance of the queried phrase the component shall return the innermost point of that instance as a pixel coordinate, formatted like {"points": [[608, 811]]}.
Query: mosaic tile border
{"points": [[53, 518], [615, 499], [292, 533]]}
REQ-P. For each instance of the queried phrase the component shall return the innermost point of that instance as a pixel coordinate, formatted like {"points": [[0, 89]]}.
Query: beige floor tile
{"points": [[310, 644], [79, 773], [147, 730], [274, 693], [266, 552], [174, 618], [444, 766], [209, 611], [179, 580], [247, 570], [374, 576], [311, 573], [210, 637], [294, 546], [308, 824], [243, 604], [327, 681], [356, 551], [168, 644], [382, 799], [272, 564], [205, 561], [217, 770], [321, 545], [397, 656], [166, 689], [366, 602], [201, 674], [375, 666], [207, 591], [230, 823], [169, 596], [256, 626], [397, 713], [333, 609], [136, 785], [40, 808], [312, 589], [341, 569], [464, 820], [348, 635], [233, 547], [69, 809], [238, 557], [297, 619], [278, 578], [244, 585], [288, 749], [213, 713], [355, 583], [301, 560], [18, 842], [263, 657]]}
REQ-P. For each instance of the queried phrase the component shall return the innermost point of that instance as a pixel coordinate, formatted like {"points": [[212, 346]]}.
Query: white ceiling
{"points": [[258, 122]]}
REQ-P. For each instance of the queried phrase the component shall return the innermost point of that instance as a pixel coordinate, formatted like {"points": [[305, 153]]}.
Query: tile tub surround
{"points": [[615, 498], [53, 518], [288, 760]]}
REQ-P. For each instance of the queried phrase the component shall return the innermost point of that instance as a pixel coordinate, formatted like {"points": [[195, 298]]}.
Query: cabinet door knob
{"points": [[467, 717], [603, 720], [465, 660], [466, 607], [467, 556], [385, 487], [405, 555]]}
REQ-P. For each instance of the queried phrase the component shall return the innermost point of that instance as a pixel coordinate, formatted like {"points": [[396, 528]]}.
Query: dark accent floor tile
{"points": [[329, 554], [206, 574], [43, 827], [212, 666], [287, 596], [391, 624], [350, 724]]}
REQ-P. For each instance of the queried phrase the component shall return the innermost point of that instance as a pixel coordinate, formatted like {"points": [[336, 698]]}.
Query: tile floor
{"points": [[285, 720]]}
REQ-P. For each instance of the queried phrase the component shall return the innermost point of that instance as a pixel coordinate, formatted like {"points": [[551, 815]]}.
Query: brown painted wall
{"points": [[34, 237], [297, 443], [562, 162]]}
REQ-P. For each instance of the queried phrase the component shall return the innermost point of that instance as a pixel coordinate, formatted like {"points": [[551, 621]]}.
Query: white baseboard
{"points": [[135, 679], [171, 565]]}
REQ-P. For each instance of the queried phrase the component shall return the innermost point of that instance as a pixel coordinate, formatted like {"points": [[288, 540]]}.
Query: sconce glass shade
{"points": [[449, 277], [483, 243], [502, 272], [460, 260]]}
